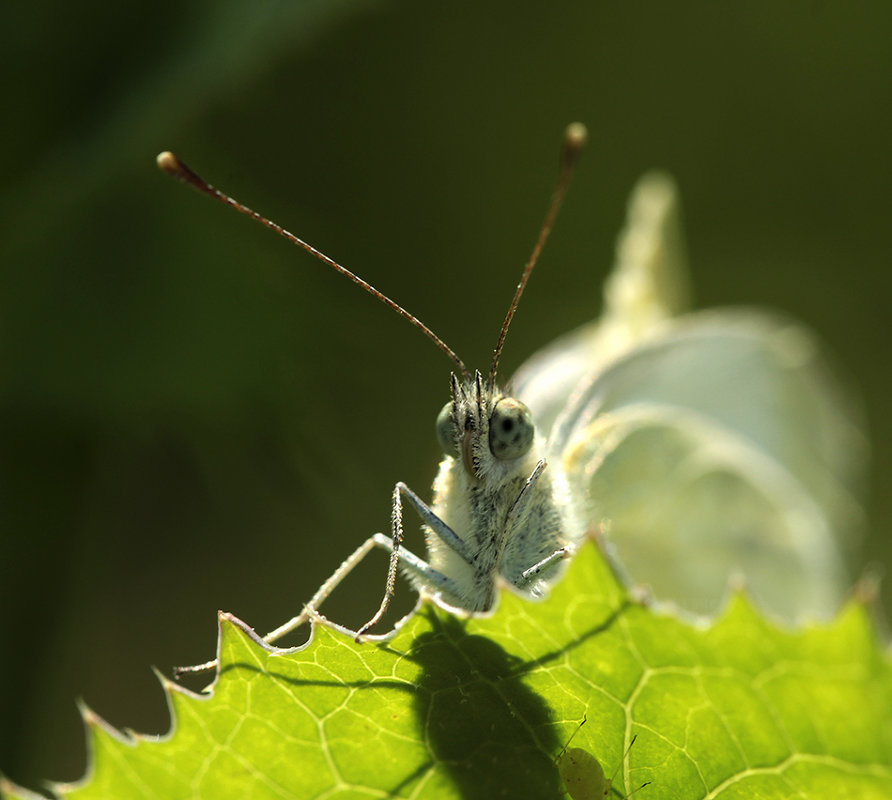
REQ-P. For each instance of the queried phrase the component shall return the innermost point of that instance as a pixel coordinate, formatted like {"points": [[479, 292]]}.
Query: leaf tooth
{"points": [[169, 686], [12, 791], [96, 728], [94, 721]]}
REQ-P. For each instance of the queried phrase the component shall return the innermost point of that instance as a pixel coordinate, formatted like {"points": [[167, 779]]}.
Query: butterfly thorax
{"points": [[496, 493]]}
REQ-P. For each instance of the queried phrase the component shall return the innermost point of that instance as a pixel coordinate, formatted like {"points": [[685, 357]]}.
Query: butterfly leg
{"points": [[399, 556], [529, 575], [517, 511], [331, 583], [522, 501], [307, 613], [424, 574], [443, 532]]}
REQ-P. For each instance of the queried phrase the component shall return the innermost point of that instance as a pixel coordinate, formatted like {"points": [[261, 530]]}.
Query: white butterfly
{"points": [[702, 445]]}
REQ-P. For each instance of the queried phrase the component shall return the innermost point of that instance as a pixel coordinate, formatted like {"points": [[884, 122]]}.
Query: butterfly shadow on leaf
{"points": [[483, 724]]}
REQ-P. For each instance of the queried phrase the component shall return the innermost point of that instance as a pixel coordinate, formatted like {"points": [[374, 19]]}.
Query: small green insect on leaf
{"points": [[582, 773]]}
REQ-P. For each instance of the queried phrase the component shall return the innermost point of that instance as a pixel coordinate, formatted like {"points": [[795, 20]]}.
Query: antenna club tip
{"points": [[575, 138], [168, 162]]}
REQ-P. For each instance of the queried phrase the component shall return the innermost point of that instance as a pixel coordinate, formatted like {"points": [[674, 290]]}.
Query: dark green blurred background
{"points": [[197, 416]]}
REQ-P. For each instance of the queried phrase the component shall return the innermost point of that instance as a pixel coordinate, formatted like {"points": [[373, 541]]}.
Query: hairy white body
{"points": [[516, 516]]}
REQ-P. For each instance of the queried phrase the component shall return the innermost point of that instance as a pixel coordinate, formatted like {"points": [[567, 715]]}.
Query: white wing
{"points": [[708, 445], [719, 450]]}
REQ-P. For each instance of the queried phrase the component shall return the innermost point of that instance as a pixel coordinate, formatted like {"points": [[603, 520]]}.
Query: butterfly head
{"points": [[484, 429]]}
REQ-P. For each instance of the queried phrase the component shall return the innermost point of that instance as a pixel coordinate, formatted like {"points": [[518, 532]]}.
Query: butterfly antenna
{"points": [[574, 141], [172, 165]]}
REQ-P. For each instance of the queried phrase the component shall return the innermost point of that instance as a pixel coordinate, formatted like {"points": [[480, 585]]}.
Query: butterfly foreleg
{"points": [[442, 531], [519, 508], [308, 611], [522, 502], [530, 574], [400, 556]]}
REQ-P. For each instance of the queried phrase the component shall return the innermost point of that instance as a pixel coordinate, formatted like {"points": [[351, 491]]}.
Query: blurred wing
{"points": [[708, 444], [648, 285], [755, 376], [720, 450]]}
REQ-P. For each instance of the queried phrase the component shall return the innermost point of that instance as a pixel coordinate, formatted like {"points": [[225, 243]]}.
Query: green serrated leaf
{"points": [[481, 708]]}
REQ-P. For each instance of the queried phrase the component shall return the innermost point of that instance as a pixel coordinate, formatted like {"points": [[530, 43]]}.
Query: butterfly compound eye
{"points": [[446, 431], [511, 429]]}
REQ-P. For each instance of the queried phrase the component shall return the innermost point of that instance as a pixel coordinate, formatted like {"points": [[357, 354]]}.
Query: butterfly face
{"points": [[496, 491], [485, 429]]}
